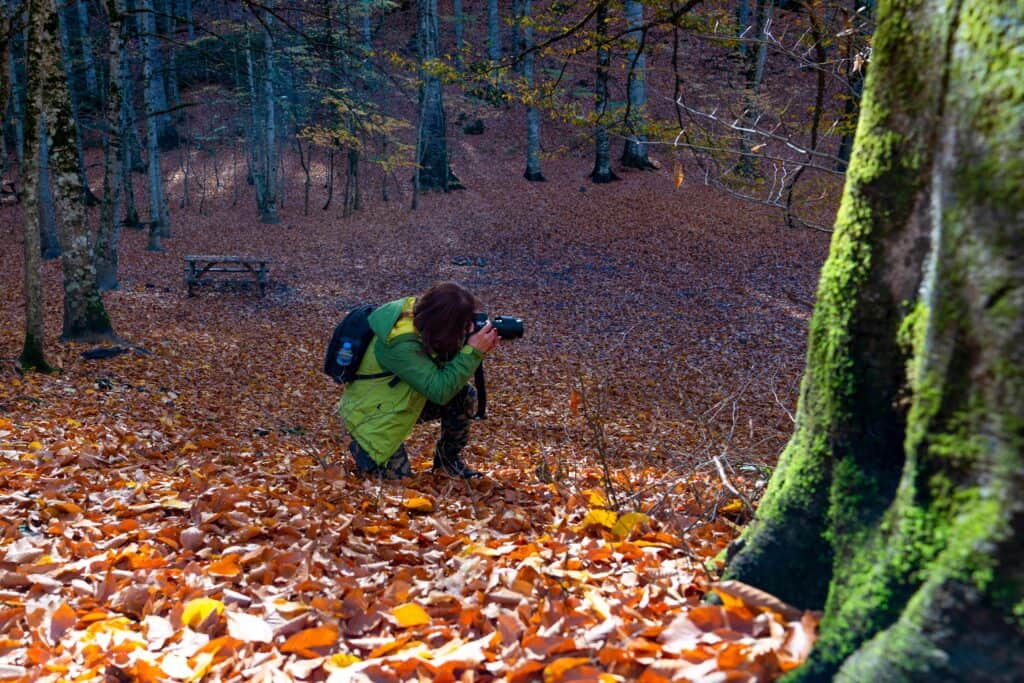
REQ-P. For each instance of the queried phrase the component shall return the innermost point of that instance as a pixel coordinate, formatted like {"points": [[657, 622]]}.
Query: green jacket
{"points": [[380, 413]]}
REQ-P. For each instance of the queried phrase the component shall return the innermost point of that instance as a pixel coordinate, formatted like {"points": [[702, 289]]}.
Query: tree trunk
{"points": [[755, 60], [67, 63], [268, 205], [85, 317], [602, 172], [85, 45], [494, 39], [155, 78], [108, 235], [533, 172], [634, 153], [896, 506], [32, 350], [127, 134], [49, 241], [156, 102], [432, 151], [459, 22]]}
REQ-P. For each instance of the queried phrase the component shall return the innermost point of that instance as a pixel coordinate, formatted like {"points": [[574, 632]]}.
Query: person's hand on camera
{"points": [[484, 340]]}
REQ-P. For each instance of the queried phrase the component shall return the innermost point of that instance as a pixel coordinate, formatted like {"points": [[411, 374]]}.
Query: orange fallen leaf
{"points": [[227, 567], [303, 642], [61, 620]]}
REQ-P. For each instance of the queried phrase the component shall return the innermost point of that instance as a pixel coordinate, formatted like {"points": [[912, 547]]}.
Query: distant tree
{"points": [[108, 234], [85, 317], [533, 172], [85, 47], [434, 172], [458, 28], [897, 507], [155, 75], [263, 125], [156, 118], [602, 172], [634, 152]]}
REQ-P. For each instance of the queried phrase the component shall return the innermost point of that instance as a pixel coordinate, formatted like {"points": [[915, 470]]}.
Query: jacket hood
{"points": [[383, 320]]}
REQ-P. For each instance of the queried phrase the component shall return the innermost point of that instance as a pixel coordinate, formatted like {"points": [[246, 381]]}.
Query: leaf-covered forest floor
{"points": [[166, 513]]}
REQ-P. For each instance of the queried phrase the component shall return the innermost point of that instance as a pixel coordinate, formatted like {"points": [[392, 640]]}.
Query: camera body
{"points": [[508, 326]]}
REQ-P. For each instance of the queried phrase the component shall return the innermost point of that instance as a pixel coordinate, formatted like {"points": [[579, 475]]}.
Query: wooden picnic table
{"points": [[198, 266]]}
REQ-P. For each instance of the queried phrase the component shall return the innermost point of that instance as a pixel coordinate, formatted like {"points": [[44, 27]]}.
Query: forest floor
{"points": [[184, 509]]}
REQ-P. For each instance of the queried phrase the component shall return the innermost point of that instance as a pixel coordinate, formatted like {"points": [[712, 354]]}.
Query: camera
{"points": [[508, 327]]}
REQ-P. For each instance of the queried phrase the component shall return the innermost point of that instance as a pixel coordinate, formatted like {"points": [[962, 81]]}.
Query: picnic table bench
{"points": [[196, 267]]}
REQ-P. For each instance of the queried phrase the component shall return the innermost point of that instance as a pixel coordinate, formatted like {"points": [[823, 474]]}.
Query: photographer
{"points": [[416, 368]]}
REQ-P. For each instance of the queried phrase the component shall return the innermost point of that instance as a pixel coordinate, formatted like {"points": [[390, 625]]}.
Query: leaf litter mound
{"points": [[184, 511]]}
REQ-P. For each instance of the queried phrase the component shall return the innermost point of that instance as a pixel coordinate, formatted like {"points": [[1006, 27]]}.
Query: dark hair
{"points": [[442, 316]]}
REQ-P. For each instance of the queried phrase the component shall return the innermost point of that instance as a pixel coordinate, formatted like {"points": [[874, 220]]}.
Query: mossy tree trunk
{"points": [[32, 350], [85, 317], [896, 504]]}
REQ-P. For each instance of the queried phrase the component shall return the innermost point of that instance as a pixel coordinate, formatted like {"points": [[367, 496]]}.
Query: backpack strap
{"points": [[376, 375], [481, 392]]}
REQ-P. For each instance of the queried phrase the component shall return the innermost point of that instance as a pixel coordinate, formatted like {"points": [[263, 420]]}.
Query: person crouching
{"points": [[423, 344]]}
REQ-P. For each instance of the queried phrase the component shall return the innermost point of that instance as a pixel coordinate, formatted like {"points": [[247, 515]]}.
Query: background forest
{"points": [[649, 185]]}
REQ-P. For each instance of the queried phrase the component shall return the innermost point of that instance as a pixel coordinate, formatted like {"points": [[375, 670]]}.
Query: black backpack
{"points": [[354, 329]]}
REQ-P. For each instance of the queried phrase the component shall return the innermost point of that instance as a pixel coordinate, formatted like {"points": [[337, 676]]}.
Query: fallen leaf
{"points": [[410, 614]]}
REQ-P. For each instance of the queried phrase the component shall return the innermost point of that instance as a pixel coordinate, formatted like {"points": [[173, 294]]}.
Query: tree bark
{"points": [[49, 241], [533, 172], [634, 152], [156, 105], [85, 317], [602, 172], [896, 505], [32, 350], [755, 60], [67, 62], [108, 235], [155, 78], [432, 149]]}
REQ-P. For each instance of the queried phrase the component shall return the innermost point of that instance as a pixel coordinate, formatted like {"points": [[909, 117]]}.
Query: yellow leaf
{"points": [[410, 614], [757, 148], [303, 641], [595, 498], [189, 447], [196, 611], [35, 446], [678, 175], [734, 505], [558, 668], [71, 422], [605, 518], [628, 522], [418, 504], [339, 661]]}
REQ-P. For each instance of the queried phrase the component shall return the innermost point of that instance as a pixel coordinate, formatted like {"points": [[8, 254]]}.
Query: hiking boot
{"points": [[397, 467], [448, 461]]}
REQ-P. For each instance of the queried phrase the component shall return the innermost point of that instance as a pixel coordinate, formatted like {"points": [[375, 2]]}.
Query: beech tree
{"points": [[434, 172], [896, 506], [85, 317], [108, 235]]}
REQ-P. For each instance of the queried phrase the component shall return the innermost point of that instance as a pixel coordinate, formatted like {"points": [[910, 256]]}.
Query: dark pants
{"points": [[455, 417]]}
